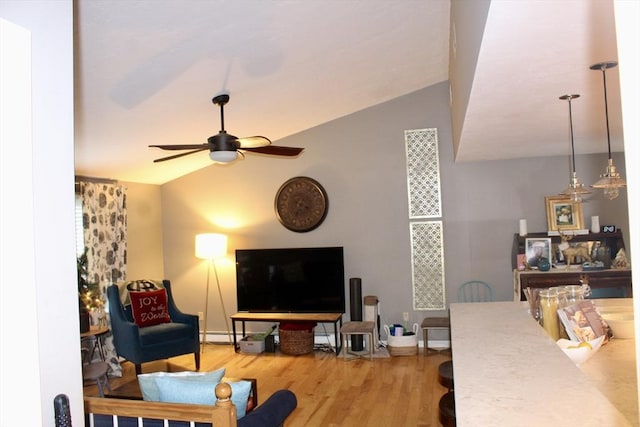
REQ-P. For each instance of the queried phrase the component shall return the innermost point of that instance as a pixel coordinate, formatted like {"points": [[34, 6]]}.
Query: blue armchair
{"points": [[140, 345]]}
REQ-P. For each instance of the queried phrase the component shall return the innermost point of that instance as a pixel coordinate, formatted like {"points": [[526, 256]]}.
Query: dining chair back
{"points": [[475, 291]]}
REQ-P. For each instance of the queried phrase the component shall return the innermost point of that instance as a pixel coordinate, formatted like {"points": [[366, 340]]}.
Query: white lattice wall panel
{"points": [[423, 172], [427, 261]]}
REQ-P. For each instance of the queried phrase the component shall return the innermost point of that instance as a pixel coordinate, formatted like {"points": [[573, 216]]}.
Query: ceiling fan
{"points": [[224, 147]]}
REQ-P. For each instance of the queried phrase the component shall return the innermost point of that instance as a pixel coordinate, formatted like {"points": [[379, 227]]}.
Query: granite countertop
{"points": [[508, 372]]}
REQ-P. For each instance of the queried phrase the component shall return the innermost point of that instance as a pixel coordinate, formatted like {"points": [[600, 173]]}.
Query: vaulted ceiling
{"points": [[146, 71]]}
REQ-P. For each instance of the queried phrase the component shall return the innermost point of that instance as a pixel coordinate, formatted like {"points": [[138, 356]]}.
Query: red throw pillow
{"points": [[149, 307]]}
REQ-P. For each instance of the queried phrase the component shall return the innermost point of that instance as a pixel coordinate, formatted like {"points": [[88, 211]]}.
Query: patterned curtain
{"points": [[104, 221]]}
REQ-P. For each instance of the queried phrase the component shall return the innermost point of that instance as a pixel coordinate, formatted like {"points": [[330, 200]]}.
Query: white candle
{"points": [[523, 227], [595, 224]]}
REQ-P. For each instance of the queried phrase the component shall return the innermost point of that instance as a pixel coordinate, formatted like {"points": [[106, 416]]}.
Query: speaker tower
{"points": [[355, 303]]}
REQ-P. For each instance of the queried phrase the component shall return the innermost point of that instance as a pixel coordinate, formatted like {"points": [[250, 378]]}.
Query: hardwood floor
{"points": [[395, 391]]}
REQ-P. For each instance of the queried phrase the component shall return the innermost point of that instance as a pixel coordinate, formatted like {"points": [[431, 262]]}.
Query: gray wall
{"points": [[360, 160], [144, 231]]}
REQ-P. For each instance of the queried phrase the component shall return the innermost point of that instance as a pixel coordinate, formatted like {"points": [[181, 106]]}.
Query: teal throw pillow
{"points": [[240, 392], [149, 389], [181, 390]]}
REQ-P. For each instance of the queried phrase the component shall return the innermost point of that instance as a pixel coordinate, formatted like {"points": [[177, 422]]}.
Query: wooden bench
{"points": [[103, 412], [131, 412]]}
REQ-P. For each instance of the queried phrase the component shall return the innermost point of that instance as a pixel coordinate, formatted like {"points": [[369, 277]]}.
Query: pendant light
{"points": [[610, 181], [576, 189]]}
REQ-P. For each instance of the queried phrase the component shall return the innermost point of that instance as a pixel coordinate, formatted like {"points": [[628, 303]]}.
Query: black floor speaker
{"points": [[355, 299]]}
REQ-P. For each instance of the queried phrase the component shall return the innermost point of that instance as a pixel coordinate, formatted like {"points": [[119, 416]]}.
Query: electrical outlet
{"points": [[405, 316], [200, 316]]}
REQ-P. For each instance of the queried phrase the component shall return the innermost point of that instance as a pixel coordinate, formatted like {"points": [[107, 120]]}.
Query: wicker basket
{"points": [[406, 345], [402, 351], [296, 342]]}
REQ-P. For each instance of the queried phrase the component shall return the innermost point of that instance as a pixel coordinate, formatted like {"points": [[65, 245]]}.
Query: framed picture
{"points": [[563, 213], [536, 249]]}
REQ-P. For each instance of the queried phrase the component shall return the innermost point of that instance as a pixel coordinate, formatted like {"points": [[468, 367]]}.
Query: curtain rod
{"points": [[92, 179], [79, 179]]}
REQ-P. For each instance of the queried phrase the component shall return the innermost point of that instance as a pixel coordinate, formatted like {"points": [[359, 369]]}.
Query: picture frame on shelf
{"points": [[537, 248], [563, 214]]}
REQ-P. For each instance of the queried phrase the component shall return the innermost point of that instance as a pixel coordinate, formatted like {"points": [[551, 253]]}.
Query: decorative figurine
{"points": [[621, 260], [572, 252]]}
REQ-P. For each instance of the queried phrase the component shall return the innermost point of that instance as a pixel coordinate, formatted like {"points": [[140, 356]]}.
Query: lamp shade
{"points": [[211, 245]]}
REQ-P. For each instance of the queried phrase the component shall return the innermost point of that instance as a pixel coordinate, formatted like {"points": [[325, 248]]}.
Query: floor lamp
{"points": [[210, 246]]}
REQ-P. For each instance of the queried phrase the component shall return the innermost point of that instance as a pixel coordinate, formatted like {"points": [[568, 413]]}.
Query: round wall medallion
{"points": [[301, 204]]}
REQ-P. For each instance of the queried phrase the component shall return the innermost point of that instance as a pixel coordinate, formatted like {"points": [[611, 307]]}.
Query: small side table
{"points": [[428, 323], [96, 333], [357, 328]]}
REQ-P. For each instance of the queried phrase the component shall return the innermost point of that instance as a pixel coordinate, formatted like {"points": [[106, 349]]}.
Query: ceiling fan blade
{"points": [[183, 147], [275, 150], [175, 156], [253, 142]]}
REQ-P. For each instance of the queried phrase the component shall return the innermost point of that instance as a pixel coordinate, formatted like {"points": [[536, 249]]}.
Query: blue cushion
{"points": [[149, 388], [165, 332], [240, 392], [181, 390]]}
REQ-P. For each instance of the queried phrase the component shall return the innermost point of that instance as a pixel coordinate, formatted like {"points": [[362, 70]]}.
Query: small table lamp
{"points": [[210, 246]]}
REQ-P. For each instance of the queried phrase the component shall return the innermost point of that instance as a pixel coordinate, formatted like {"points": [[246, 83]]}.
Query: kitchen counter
{"points": [[612, 368], [508, 372]]}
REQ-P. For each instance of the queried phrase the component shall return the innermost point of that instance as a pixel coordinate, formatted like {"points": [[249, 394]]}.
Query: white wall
{"points": [[627, 16], [468, 20], [48, 345], [17, 262]]}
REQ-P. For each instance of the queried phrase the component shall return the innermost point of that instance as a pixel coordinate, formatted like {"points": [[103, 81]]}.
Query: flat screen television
{"points": [[291, 280]]}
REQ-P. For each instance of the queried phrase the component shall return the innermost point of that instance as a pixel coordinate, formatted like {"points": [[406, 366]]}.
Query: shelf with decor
{"points": [[605, 282]]}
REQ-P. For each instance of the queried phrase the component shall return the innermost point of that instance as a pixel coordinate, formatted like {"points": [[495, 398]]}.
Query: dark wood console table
{"points": [[335, 318], [598, 279]]}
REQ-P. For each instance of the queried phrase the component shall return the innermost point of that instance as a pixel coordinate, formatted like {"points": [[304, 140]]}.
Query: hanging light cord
{"points": [[606, 107], [568, 98], [603, 66], [573, 153]]}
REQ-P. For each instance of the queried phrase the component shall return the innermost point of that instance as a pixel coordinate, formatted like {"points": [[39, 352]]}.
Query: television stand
{"points": [[335, 318]]}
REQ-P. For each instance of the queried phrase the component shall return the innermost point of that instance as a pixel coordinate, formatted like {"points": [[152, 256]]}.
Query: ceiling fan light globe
{"points": [[223, 156]]}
